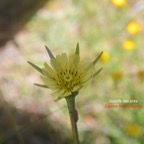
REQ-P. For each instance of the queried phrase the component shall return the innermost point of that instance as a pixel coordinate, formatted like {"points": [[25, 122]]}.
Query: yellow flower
{"points": [[119, 3], [128, 45], [105, 57], [133, 130], [133, 27], [140, 74], [66, 75], [116, 76]]}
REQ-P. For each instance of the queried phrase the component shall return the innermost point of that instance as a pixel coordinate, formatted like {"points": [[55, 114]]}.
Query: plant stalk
{"points": [[73, 117]]}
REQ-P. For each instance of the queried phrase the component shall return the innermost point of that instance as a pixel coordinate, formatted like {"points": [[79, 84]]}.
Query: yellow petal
{"points": [[61, 93], [49, 70], [85, 65], [88, 74], [85, 83], [76, 88], [55, 65], [74, 61], [46, 73], [62, 60], [85, 78], [66, 93], [49, 82]]}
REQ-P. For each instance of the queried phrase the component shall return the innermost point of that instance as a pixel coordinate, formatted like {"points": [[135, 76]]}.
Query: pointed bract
{"points": [[58, 98], [97, 72], [77, 49], [95, 61], [40, 85], [49, 53], [35, 67]]}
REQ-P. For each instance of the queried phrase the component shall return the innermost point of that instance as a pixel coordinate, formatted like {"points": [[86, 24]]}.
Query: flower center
{"points": [[68, 77]]}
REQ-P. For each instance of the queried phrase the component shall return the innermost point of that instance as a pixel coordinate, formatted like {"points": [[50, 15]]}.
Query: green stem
{"points": [[73, 117]]}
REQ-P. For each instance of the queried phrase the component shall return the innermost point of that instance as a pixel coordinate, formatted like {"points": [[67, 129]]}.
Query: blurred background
{"points": [[28, 114]]}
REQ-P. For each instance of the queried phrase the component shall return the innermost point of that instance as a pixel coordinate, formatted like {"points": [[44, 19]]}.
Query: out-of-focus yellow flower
{"points": [[133, 130], [119, 3], [66, 75], [133, 27], [105, 57], [116, 76], [140, 74], [128, 45]]}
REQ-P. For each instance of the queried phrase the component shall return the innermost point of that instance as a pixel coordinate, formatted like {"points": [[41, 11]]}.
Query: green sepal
{"points": [[49, 53], [58, 98], [97, 72], [35, 67], [40, 85], [95, 61], [77, 49]]}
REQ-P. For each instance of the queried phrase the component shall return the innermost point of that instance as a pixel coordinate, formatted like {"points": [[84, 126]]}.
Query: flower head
{"points": [[140, 74], [133, 27], [105, 57], [128, 45], [133, 130], [66, 75], [116, 76], [119, 3]]}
